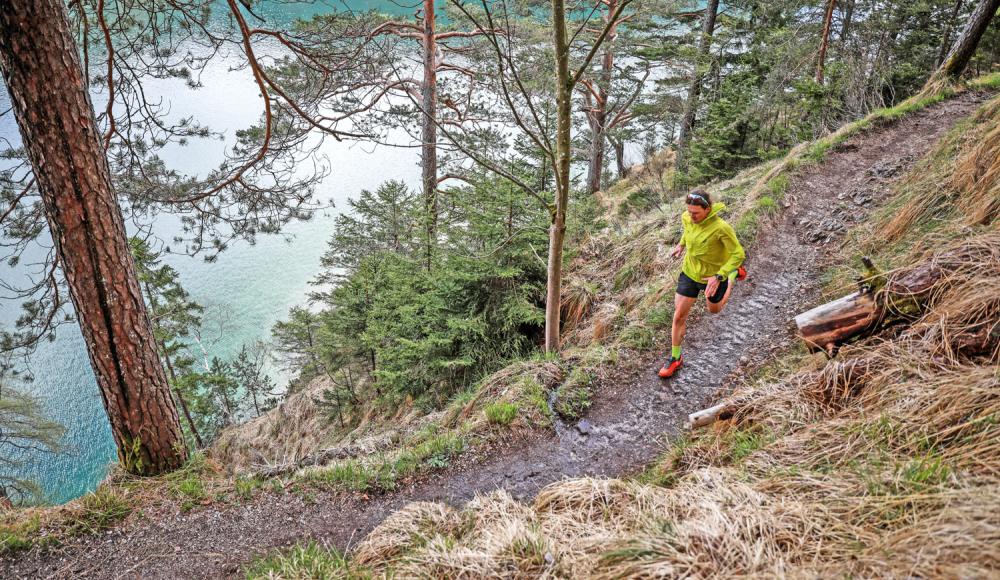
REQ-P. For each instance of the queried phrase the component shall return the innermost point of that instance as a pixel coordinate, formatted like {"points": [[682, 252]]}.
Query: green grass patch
{"points": [[244, 487], [533, 397], [574, 396], [20, 534], [741, 443], [637, 336], [986, 82], [500, 413], [98, 511], [309, 560]]}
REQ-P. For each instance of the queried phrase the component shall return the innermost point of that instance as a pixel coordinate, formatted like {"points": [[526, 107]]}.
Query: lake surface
{"points": [[254, 285]]}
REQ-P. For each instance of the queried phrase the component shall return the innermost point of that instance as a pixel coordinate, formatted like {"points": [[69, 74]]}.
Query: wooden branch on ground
{"points": [[720, 412]]}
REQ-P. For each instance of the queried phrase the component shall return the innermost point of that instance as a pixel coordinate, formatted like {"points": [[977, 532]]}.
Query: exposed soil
{"points": [[633, 414]]}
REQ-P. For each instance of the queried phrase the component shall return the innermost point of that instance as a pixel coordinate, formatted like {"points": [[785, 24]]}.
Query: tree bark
{"points": [[694, 89], [428, 159], [41, 66], [824, 41], [961, 52], [557, 229]]}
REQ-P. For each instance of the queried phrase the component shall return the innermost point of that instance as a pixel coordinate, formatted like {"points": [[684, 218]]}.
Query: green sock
{"points": [[675, 351]]}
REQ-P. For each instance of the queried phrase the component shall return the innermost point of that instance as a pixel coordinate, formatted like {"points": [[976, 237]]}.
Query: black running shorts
{"points": [[688, 287]]}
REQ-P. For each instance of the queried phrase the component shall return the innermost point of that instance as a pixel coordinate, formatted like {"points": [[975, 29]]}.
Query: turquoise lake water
{"points": [[253, 286]]}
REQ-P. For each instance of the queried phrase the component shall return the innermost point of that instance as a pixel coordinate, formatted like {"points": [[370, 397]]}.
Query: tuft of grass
{"points": [[637, 336], [574, 395], [500, 413], [243, 487], [301, 561], [98, 511], [20, 533]]}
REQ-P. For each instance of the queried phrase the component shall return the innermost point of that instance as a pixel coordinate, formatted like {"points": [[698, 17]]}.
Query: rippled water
{"points": [[254, 285]]}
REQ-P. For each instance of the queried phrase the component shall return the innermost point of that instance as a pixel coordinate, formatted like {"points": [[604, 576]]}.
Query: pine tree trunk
{"points": [[961, 53], [824, 41], [428, 159], [41, 67], [694, 89], [557, 230]]}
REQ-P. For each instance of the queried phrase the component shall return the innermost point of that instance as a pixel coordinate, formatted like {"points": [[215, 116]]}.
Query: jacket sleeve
{"points": [[684, 230], [733, 249]]}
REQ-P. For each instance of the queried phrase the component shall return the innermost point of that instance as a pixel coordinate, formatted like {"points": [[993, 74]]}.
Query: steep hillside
{"points": [[880, 462], [599, 411]]}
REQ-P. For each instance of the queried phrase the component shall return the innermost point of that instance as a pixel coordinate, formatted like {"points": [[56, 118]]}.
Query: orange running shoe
{"points": [[741, 274], [670, 367]]}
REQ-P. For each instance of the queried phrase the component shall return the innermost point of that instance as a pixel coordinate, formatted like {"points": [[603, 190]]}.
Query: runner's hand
{"points": [[713, 286], [677, 251]]}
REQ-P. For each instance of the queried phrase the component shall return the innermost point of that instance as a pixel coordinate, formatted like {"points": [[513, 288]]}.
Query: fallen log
{"points": [[831, 324], [720, 412], [878, 302]]}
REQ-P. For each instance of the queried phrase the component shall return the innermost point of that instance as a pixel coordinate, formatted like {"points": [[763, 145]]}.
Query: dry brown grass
{"points": [[882, 462]]}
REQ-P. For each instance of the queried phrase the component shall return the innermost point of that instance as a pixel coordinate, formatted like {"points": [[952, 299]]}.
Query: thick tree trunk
{"points": [[946, 34], [41, 66], [428, 158], [694, 89], [557, 230], [958, 57], [824, 41]]}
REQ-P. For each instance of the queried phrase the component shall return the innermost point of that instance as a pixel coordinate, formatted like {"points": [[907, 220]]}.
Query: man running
{"points": [[714, 259]]}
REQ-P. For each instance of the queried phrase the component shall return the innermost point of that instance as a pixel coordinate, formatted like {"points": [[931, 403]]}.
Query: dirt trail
{"points": [[633, 414]]}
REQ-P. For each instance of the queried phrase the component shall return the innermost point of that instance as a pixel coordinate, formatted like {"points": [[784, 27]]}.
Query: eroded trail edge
{"points": [[633, 415]]}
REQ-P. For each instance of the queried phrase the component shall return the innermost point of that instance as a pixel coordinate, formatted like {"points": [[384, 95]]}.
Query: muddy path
{"points": [[633, 414]]}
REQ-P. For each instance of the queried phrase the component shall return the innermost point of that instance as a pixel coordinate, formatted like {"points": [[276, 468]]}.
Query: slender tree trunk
{"points": [[961, 53], [557, 231], [946, 33], [429, 130], [619, 147], [694, 89], [41, 66], [824, 41], [845, 28], [598, 116]]}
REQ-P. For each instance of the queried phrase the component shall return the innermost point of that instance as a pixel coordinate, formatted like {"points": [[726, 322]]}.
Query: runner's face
{"points": [[697, 212]]}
